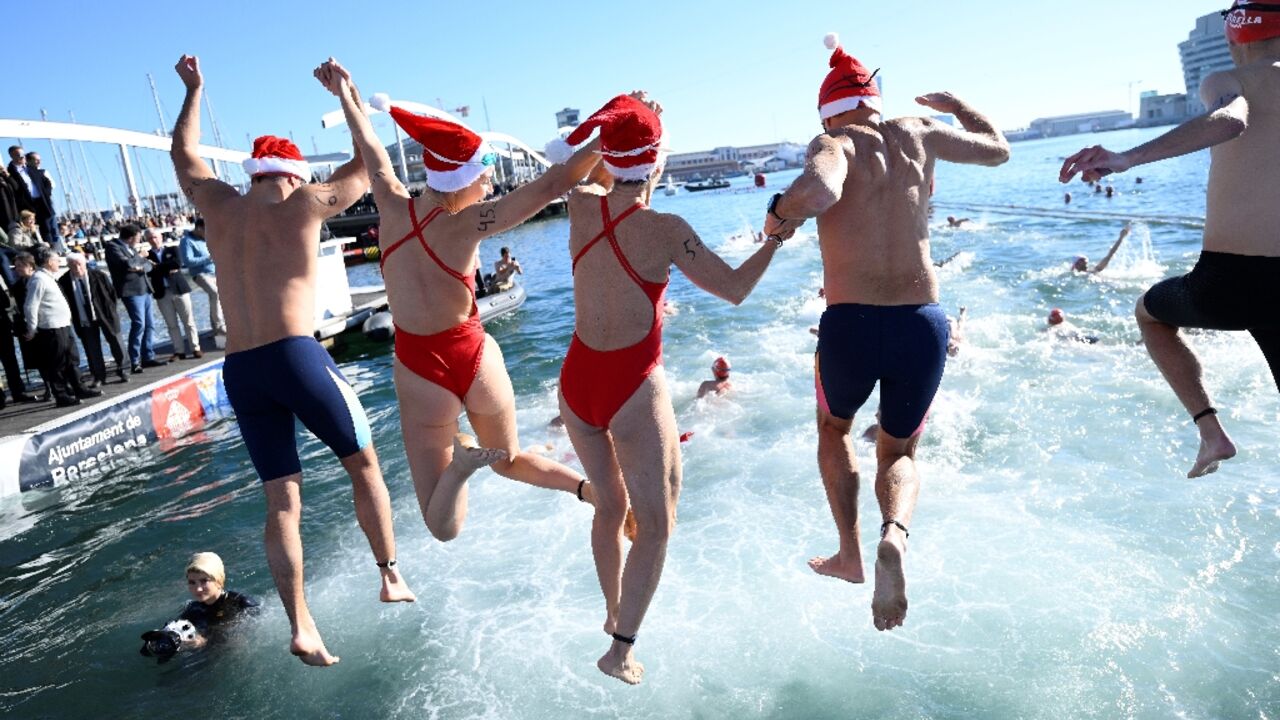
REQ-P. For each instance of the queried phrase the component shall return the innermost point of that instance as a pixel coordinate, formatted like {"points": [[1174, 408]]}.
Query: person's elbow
{"points": [[999, 155]]}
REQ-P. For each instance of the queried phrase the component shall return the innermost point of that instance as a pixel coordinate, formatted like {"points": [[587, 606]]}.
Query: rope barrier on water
{"points": [[1027, 210]]}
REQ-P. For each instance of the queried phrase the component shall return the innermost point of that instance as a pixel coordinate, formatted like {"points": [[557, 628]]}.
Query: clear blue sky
{"points": [[729, 73]]}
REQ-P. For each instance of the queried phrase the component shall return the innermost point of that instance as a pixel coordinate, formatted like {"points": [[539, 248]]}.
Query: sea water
{"points": [[1060, 563]]}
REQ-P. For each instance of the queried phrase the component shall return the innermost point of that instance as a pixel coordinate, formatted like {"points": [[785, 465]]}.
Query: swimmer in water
{"points": [[720, 385], [943, 263], [1235, 284], [882, 296], [953, 221], [1081, 263], [956, 332], [211, 605], [1056, 325]]}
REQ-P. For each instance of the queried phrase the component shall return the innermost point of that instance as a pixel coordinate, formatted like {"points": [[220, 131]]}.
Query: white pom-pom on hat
{"points": [[831, 41], [558, 151], [381, 101]]}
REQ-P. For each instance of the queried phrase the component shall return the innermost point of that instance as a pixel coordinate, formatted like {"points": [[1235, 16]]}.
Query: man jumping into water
{"points": [[867, 181], [1235, 285], [265, 245]]}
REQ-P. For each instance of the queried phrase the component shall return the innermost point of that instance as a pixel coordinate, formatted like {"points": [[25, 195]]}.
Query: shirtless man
{"points": [[867, 181], [504, 268], [265, 245], [1235, 284], [1081, 263]]}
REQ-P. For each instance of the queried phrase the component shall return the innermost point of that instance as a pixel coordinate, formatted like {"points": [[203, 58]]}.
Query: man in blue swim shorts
{"points": [[265, 245], [867, 180]]}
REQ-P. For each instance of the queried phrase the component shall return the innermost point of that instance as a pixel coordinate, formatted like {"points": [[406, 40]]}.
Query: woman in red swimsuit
{"points": [[613, 395], [445, 362]]}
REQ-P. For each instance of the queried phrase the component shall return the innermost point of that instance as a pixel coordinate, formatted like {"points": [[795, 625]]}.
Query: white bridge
{"points": [[125, 139]]}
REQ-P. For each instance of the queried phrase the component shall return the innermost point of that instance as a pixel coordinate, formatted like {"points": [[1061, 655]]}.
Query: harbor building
{"points": [[1156, 109], [1081, 123], [1205, 51], [735, 160], [567, 117]]}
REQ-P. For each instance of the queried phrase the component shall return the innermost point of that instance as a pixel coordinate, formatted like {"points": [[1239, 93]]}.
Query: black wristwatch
{"points": [[773, 207]]}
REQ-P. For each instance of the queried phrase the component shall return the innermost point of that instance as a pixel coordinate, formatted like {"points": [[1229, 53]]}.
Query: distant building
{"points": [[735, 160], [1157, 109], [567, 117], [1205, 51], [1081, 123]]}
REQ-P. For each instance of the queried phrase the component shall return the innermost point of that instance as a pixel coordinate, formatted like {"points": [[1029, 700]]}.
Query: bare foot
{"points": [[469, 457], [1212, 453], [394, 588], [310, 649], [889, 602], [837, 567], [621, 664]]}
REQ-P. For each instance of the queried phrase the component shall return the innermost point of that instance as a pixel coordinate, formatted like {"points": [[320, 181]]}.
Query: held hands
{"points": [[1093, 164], [643, 97], [188, 69], [334, 78], [943, 102]]}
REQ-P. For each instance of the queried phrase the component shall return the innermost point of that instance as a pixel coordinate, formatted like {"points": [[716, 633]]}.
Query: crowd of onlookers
{"points": [[74, 285]]}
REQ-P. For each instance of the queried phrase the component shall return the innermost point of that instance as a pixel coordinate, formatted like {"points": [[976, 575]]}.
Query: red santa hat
{"points": [[1250, 22], [848, 85], [630, 138], [277, 156], [454, 156]]}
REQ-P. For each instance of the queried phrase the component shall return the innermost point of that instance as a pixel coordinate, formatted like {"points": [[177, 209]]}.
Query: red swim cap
{"points": [[721, 367], [1250, 22], [1056, 317]]}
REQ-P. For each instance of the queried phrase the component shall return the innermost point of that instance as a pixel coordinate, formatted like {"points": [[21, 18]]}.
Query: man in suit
{"points": [[29, 189], [48, 329], [172, 291], [93, 314], [129, 277], [8, 209], [46, 216]]}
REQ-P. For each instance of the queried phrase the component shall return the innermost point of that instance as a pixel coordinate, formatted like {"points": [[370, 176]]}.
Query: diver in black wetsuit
{"points": [[212, 605]]}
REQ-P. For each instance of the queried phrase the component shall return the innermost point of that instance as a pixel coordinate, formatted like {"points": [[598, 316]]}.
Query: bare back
{"points": [[875, 239], [1243, 216], [611, 310], [424, 297]]}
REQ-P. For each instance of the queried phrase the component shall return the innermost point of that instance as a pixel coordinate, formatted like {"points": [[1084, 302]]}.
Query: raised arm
{"points": [[1102, 264], [490, 218], [382, 176], [979, 143], [1226, 120], [195, 177], [819, 187], [706, 270]]}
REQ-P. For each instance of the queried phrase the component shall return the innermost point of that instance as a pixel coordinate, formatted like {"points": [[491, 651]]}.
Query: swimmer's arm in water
{"points": [[707, 270], [979, 143], [490, 218], [1104, 262], [337, 80], [1225, 121], [195, 177], [819, 187]]}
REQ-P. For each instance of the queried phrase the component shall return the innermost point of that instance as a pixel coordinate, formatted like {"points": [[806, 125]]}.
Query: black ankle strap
{"points": [[1203, 414], [580, 484], [624, 639], [884, 526], [388, 564]]}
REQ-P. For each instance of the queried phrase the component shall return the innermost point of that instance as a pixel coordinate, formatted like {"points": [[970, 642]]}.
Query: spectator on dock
{"points": [[26, 235], [129, 278], [172, 292], [48, 329], [193, 249], [46, 217], [8, 208], [28, 186], [93, 314], [12, 371]]}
